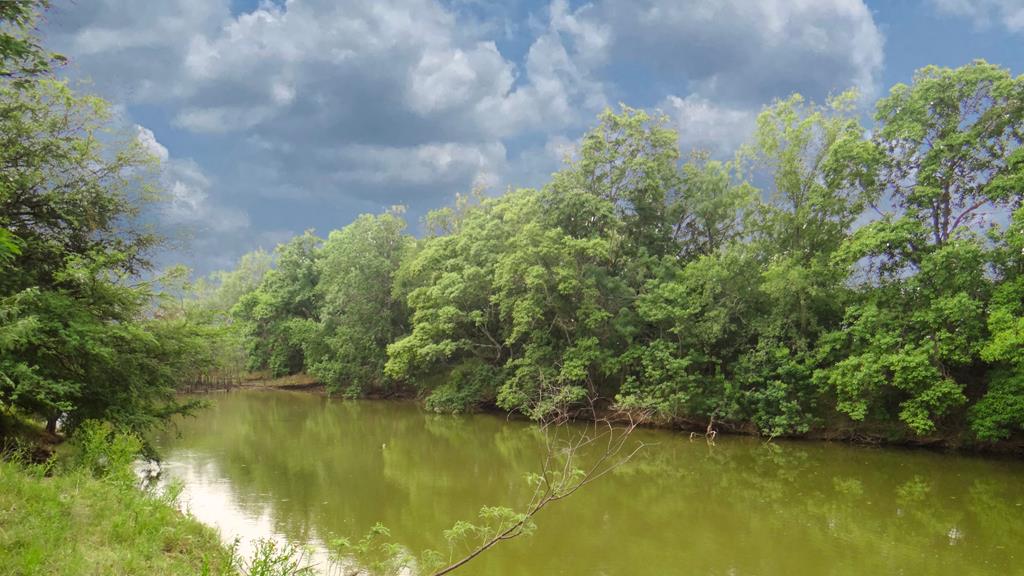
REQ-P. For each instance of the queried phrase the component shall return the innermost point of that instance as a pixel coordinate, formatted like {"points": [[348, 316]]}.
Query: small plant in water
{"points": [[271, 558]]}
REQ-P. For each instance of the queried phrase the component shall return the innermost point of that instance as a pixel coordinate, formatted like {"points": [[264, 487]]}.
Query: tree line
{"points": [[827, 277]]}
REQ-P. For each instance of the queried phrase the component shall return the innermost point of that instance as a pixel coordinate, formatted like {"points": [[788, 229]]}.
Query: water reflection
{"points": [[309, 469]]}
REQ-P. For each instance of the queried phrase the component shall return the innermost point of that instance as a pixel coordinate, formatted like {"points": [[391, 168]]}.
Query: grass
{"points": [[74, 524], [83, 514]]}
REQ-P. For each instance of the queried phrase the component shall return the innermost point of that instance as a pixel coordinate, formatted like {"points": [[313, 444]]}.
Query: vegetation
{"points": [[824, 278], [90, 517], [87, 333], [78, 339]]}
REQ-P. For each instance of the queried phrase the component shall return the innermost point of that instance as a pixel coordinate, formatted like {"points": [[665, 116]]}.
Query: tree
{"points": [[1000, 411], [74, 341], [630, 161], [732, 322], [684, 289], [21, 55], [21, 58], [950, 146], [73, 346], [358, 314], [714, 202], [454, 349], [271, 315], [946, 153], [228, 287]]}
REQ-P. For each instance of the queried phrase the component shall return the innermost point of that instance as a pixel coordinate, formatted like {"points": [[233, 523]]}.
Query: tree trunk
{"points": [[51, 424]]}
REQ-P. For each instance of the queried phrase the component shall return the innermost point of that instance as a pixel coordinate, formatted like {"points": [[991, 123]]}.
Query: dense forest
{"points": [[830, 276]]}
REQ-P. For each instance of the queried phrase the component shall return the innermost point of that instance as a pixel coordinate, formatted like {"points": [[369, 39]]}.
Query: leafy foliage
{"points": [[78, 339], [359, 315], [271, 313], [870, 281]]}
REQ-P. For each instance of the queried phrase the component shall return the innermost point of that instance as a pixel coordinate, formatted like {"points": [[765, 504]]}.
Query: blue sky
{"points": [[275, 117]]}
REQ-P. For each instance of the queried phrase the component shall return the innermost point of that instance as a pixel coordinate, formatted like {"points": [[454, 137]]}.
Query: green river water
{"points": [[307, 469]]}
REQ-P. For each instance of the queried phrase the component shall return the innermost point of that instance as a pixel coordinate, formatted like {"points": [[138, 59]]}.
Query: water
{"points": [[307, 469]]}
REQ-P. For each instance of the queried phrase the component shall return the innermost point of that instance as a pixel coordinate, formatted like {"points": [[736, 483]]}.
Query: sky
{"points": [[273, 117]]}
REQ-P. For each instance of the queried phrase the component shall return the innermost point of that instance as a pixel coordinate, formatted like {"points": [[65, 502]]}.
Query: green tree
{"points": [[631, 161], [227, 287], [271, 315], [75, 338], [1000, 411], [22, 57], [358, 313], [455, 349], [73, 344], [947, 150], [808, 212]]}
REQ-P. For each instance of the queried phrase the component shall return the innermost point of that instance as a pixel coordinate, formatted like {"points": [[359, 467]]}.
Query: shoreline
{"points": [[853, 434]]}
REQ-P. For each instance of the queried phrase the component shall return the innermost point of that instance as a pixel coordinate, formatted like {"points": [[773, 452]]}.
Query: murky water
{"points": [[307, 469]]}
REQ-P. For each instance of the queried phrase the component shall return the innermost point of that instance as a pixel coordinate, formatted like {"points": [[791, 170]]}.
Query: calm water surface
{"points": [[307, 469]]}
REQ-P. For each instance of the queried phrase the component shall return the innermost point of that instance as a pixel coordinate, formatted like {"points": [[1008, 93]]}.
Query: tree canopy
{"points": [[827, 276]]}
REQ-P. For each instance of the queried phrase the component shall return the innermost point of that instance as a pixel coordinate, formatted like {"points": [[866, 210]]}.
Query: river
{"points": [[307, 469]]}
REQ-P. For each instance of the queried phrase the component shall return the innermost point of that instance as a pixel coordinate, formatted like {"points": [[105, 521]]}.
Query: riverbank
{"points": [[841, 430], [75, 525]]}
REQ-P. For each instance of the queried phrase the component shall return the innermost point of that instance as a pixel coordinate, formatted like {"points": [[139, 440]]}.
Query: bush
{"points": [[468, 386], [106, 453]]}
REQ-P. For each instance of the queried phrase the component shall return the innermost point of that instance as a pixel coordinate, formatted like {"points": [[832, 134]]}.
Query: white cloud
{"points": [[740, 51], [189, 202], [703, 124], [222, 119], [447, 77], [731, 57], [591, 38], [343, 106], [148, 141], [187, 189], [300, 80], [1010, 13], [562, 88], [427, 164], [133, 52]]}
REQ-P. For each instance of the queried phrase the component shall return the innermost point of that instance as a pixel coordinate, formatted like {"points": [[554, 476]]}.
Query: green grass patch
{"points": [[77, 525]]}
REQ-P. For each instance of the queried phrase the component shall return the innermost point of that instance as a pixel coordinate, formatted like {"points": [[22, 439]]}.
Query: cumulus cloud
{"points": [[1009, 13], [703, 124], [301, 80], [720, 62], [422, 165], [187, 191], [334, 107], [563, 89], [742, 52], [132, 52], [221, 119], [149, 143]]}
